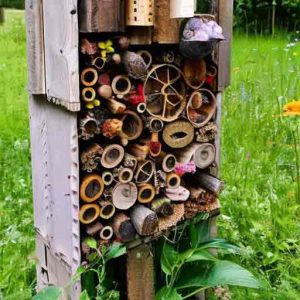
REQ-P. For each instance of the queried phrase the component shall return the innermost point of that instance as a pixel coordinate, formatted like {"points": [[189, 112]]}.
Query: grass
{"points": [[260, 204]]}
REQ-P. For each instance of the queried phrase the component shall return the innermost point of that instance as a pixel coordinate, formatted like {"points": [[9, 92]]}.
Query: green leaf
{"points": [[115, 251], [219, 244], [220, 273], [48, 293], [169, 258], [84, 295], [167, 294], [199, 255], [91, 242], [199, 232]]}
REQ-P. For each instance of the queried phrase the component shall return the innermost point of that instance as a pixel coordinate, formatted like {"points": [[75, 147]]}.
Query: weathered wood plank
{"points": [[54, 145], [35, 46], [61, 52], [140, 274], [225, 12], [101, 16]]}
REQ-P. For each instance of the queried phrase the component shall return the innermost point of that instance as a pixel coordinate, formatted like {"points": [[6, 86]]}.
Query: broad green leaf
{"points": [[199, 232], [84, 295], [219, 244], [169, 258], [48, 293], [201, 254], [91, 242], [167, 294], [220, 273], [115, 251]]}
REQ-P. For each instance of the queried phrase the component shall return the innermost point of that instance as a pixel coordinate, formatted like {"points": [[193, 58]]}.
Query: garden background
{"points": [[260, 152]]}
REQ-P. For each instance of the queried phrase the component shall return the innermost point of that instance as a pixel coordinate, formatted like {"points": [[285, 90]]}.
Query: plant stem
{"points": [[297, 165], [195, 292]]}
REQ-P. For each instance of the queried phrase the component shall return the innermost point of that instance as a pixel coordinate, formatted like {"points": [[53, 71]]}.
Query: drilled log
{"points": [[210, 183]]}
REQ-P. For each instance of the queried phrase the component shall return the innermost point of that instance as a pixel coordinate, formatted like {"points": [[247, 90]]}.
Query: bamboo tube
{"points": [[178, 194], [107, 210], [156, 125], [166, 30], [169, 163], [140, 151], [107, 178], [173, 181], [132, 126], [162, 207], [88, 94], [89, 213], [93, 229], [124, 195], [121, 85], [146, 193], [141, 108], [210, 183], [89, 77], [182, 9], [178, 134], [105, 91], [91, 188], [106, 233], [205, 155], [98, 63], [144, 220], [90, 158], [112, 156], [115, 107], [123, 228], [125, 175], [139, 13], [147, 57]]}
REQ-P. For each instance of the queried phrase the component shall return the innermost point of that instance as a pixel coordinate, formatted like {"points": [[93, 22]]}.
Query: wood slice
{"points": [[178, 134], [112, 156], [178, 194], [123, 228], [166, 30], [210, 183], [101, 16], [124, 195], [144, 220], [91, 188]]}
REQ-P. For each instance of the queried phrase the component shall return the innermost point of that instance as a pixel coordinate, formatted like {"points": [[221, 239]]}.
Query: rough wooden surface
{"points": [[225, 16], [101, 16], [35, 47], [61, 52], [140, 274], [2, 18]]}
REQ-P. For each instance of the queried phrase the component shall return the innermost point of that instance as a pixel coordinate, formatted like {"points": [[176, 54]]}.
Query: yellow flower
{"points": [[106, 47], [292, 109]]}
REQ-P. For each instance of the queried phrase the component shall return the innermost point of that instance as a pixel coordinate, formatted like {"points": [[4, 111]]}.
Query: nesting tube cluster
{"points": [[147, 131]]}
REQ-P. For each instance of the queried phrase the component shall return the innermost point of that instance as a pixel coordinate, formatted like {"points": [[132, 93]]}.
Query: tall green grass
{"points": [[260, 206]]}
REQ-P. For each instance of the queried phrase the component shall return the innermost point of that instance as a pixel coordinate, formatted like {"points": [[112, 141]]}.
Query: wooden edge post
{"points": [[140, 274]]}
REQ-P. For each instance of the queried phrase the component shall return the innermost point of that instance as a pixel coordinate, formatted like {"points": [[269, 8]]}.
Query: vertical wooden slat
{"points": [[140, 274], [225, 11], [35, 46], [61, 36]]}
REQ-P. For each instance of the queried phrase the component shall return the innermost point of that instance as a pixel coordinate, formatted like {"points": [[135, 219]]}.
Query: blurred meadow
{"points": [[260, 164]]}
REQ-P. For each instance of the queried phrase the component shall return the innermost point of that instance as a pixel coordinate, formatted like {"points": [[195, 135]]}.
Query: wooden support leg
{"points": [[1, 15], [140, 274]]}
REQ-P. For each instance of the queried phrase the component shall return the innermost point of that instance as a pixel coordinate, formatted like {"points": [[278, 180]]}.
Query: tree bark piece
{"points": [[140, 274], [123, 228], [144, 220]]}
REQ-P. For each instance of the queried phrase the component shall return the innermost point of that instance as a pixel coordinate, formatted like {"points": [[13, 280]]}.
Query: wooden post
{"points": [[1, 15]]}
